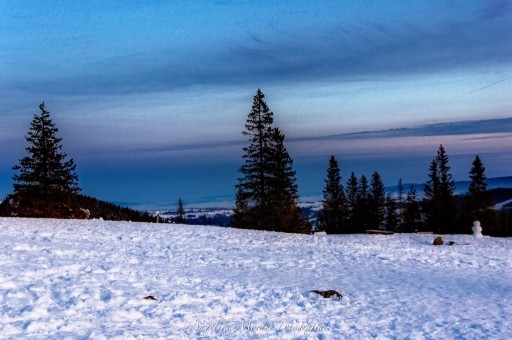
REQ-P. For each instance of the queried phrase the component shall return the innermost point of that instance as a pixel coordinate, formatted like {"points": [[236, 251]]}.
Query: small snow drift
{"points": [[328, 293]]}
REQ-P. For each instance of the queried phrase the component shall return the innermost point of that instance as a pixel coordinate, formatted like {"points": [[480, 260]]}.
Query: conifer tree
{"points": [[392, 220], [180, 212], [241, 217], [440, 195], [266, 192], [282, 176], [432, 200], [283, 193], [478, 200], [376, 202], [362, 217], [431, 189], [45, 182], [333, 214], [253, 186], [412, 212], [352, 189]]}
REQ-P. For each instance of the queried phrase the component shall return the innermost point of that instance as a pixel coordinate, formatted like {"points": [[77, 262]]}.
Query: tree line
{"points": [[45, 184], [267, 199], [361, 204]]}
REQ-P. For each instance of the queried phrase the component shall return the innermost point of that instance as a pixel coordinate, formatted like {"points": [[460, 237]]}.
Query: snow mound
{"points": [[89, 279]]}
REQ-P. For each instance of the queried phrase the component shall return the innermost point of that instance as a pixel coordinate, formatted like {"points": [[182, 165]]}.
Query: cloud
{"points": [[346, 52], [474, 127], [464, 135], [495, 9], [489, 138]]}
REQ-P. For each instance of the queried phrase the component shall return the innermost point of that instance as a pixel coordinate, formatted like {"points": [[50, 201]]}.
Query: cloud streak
{"points": [[476, 127], [344, 52], [490, 130]]}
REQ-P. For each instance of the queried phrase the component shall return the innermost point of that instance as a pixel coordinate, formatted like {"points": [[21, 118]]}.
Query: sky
{"points": [[150, 97]]}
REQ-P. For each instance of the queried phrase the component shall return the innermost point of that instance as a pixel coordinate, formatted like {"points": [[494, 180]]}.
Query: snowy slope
{"points": [[87, 279]]}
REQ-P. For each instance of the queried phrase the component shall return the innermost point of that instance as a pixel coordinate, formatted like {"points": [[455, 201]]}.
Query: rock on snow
{"points": [[88, 279]]}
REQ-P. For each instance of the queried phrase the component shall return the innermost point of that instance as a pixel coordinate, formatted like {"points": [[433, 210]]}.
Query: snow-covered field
{"points": [[88, 279]]}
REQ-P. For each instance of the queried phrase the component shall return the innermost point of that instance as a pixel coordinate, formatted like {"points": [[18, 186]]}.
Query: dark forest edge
{"points": [[45, 184], [76, 206], [362, 204]]}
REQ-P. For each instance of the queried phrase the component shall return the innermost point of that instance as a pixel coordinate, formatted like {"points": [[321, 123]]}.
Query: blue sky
{"points": [[151, 96]]}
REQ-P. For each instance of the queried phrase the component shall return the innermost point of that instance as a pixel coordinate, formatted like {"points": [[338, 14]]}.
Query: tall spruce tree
{"points": [[351, 189], [241, 217], [478, 200], [253, 185], [431, 190], [392, 220], [377, 202], [45, 182], [332, 217], [440, 195], [411, 212], [283, 192], [266, 196], [362, 218]]}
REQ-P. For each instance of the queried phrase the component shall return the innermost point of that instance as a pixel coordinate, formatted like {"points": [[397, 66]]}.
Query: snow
{"points": [[196, 213], [88, 279]]}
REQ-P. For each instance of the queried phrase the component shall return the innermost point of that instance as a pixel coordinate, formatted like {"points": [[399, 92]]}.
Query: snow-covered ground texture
{"points": [[64, 279]]}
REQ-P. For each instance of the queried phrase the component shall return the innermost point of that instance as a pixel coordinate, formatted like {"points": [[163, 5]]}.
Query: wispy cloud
{"points": [[495, 9], [346, 52], [474, 127], [388, 140]]}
